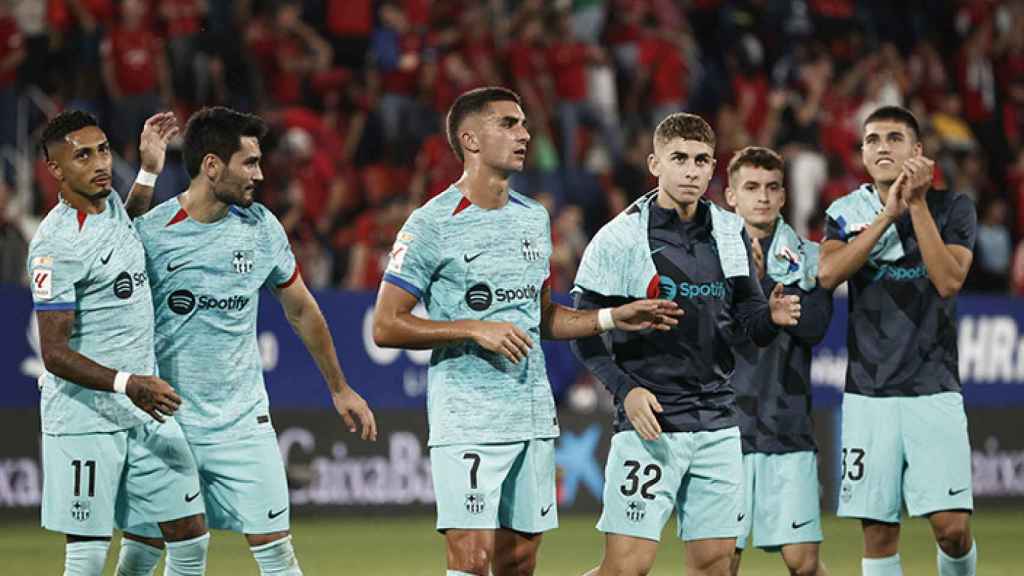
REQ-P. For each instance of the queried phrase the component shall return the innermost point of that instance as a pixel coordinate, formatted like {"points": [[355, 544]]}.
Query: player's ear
{"points": [[470, 143], [653, 165], [212, 166], [55, 170], [730, 197]]}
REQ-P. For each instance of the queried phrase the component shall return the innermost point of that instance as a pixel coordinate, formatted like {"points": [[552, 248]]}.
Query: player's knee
{"points": [[186, 528], [953, 537], [264, 539], [469, 555], [627, 565], [803, 562]]}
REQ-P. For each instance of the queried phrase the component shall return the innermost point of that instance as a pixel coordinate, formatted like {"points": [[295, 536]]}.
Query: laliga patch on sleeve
{"points": [[42, 282], [398, 252]]}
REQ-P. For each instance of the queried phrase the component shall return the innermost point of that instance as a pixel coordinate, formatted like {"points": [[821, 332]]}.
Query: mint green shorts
{"points": [[781, 501], [244, 484], [699, 475], [490, 486], [913, 449], [142, 474]]}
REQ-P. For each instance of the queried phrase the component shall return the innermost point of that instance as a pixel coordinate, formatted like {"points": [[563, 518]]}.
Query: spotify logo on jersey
{"points": [[479, 297], [123, 286], [181, 302]]}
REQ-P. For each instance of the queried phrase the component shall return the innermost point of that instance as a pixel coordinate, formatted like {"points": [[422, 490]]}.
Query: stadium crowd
{"points": [[356, 91]]}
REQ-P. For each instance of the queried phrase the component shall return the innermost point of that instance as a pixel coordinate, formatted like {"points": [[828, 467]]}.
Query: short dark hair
{"points": [[895, 114], [685, 126], [218, 130], [61, 125], [474, 102], [757, 157]]}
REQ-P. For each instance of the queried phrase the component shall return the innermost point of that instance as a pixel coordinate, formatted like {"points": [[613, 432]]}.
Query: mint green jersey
{"points": [[206, 281], [94, 265], [464, 262]]}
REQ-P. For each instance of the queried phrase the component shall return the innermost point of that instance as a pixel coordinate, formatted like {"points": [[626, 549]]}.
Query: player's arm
{"points": [[394, 326], [156, 133], [815, 315], [947, 264], [760, 317], [308, 322], [639, 403], [841, 260], [149, 393], [559, 322]]}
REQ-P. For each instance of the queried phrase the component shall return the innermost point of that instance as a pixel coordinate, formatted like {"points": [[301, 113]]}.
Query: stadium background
{"points": [[355, 92]]}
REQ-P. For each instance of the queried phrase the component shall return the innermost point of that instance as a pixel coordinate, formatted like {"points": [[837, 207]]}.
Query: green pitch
{"points": [[409, 547]]}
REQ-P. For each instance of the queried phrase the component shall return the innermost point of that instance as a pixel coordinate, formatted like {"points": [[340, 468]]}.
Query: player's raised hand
{"points": [[159, 129], [918, 172], [896, 204], [640, 405], [352, 407], [758, 254], [785, 309], [153, 395], [502, 338], [644, 314]]}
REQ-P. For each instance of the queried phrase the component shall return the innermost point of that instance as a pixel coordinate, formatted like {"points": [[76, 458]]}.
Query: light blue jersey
{"points": [[94, 265], [465, 262], [206, 280]]}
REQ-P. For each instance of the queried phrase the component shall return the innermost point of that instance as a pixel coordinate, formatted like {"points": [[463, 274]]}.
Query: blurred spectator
{"points": [[349, 24], [13, 246], [395, 58], [182, 20], [662, 83], [12, 54], [290, 54], [993, 248], [135, 75]]}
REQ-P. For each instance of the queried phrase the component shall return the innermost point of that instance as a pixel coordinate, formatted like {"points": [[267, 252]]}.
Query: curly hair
{"points": [[61, 125]]}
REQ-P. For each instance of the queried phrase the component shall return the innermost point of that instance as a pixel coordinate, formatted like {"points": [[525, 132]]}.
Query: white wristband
{"points": [[146, 178], [604, 319], [121, 382]]}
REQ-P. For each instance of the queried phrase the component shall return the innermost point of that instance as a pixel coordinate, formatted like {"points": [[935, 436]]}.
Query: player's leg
{"points": [[747, 512], [139, 555], [81, 479], [161, 486], [711, 502], [787, 513], [528, 508], [871, 478], [642, 480], [937, 482], [468, 483], [804, 559]]}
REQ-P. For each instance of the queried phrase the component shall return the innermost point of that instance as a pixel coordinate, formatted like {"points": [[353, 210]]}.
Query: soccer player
{"points": [[208, 252], [477, 256], [773, 384], [110, 446], [905, 250], [677, 445]]}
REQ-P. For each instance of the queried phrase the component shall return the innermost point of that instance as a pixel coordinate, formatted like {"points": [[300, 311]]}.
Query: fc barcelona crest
{"points": [[474, 503], [242, 261], [636, 510], [531, 252]]}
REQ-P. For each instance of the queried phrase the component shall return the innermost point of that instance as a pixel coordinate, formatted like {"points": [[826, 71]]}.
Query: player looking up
{"points": [[477, 257], [209, 251], [103, 457], [905, 250], [773, 384], [676, 444]]}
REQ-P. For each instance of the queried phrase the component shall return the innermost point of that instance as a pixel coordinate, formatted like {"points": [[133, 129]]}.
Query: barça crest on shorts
{"points": [[531, 251], [80, 510], [242, 261], [474, 503], [636, 510]]}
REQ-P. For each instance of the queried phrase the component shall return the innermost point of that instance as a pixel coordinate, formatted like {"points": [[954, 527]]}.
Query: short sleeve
{"points": [[962, 225], [833, 231], [284, 270], [54, 270], [414, 256]]}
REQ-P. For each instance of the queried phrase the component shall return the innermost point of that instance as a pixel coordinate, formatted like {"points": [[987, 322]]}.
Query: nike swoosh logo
{"points": [[172, 267], [271, 514], [469, 258], [955, 492], [796, 526], [192, 497], [740, 517], [544, 511], [107, 259]]}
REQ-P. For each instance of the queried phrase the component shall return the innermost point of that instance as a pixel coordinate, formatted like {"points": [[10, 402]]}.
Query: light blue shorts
{"points": [[697, 474], [244, 484], [142, 474], [781, 499], [912, 449], [490, 486]]}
